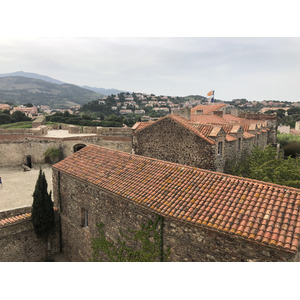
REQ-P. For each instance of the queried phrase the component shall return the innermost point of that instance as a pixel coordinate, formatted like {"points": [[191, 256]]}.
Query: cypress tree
{"points": [[42, 213]]}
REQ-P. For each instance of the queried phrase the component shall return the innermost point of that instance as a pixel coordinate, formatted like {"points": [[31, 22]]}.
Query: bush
{"points": [[284, 139], [292, 149], [267, 166], [53, 154]]}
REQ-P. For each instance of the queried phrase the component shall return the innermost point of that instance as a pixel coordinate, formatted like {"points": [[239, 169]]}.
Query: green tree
{"points": [[4, 118], [267, 165], [28, 105], [42, 212], [19, 116]]}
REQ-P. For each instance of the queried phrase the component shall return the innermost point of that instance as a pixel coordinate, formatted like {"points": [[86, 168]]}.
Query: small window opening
{"points": [[220, 145], [239, 144], [84, 218]]}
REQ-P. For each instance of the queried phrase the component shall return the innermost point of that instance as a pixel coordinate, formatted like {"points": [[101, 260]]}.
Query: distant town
{"points": [[148, 107]]}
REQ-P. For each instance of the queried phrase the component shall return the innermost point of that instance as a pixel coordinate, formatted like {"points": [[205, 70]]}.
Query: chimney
{"points": [[182, 112]]}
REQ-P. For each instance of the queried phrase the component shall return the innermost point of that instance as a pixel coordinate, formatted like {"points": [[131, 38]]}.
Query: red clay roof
{"points": [[14, 219], [207, 109], [247, 135], [232, 118], [182, 121], [253, 210], [140, 125], [208, 119], [230, 138]]}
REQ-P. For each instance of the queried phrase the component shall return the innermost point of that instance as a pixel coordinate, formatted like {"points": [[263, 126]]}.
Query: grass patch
{"points": [[18, 125]]}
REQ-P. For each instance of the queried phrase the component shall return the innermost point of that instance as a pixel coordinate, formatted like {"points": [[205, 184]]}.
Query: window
{"points": [[220, 145], [84, 218]]}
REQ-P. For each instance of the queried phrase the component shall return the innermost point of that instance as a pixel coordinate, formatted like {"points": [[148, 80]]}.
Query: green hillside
{"points": [[20, 90]]}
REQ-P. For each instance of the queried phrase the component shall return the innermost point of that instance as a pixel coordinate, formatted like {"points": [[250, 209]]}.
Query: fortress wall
{"points": [[13, 151], [27, 131], [19, 243], [114, 131]]}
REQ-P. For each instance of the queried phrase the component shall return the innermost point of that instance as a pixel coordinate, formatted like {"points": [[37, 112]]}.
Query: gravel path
{"points": [[18, 186]]}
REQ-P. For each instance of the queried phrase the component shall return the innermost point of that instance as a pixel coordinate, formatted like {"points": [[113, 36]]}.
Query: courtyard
{"points": [[18, 186]]}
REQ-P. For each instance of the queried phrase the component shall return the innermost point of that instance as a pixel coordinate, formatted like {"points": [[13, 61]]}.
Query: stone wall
{"points": [[114, 131], [193, 243], [188, 242], [13, 151], [28, 131], [41, 120], [169, 141], [19, 243]]}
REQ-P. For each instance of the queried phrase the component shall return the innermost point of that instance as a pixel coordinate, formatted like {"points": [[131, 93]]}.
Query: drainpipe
{"points": [[161, 242], [59, 212]]}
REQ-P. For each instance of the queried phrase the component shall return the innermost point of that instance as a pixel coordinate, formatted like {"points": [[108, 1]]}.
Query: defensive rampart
{"points": [[18, 241]]}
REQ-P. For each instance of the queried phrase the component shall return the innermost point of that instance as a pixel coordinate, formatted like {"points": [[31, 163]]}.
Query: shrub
{"points": [[292, 149], [53, 154]]}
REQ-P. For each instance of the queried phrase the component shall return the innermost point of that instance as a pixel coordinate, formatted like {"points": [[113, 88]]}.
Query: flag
{"points": [[211, 96]]}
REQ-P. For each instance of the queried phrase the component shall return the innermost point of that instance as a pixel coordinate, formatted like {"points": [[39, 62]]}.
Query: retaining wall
{"points": [[18, 241]]}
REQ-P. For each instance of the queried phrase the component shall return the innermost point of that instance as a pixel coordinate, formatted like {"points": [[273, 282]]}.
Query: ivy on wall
{"points": [[142, 245]]}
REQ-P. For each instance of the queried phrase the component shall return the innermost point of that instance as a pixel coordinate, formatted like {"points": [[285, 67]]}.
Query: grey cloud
{"points": [[253, 68]]}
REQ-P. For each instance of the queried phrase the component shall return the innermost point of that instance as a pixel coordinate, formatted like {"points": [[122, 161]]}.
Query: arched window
{"points": [[78, 147]]}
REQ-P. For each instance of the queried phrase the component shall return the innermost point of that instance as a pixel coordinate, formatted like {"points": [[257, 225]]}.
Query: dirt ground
{"points": [[18, 186]]}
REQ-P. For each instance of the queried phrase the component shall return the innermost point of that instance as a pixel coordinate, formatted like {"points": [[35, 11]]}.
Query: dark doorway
{"points": [[59, 127], [28, 161], [78, 147]]}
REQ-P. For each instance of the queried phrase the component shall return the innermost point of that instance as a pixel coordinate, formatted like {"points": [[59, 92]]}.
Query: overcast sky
{"points": [[251, 68]]}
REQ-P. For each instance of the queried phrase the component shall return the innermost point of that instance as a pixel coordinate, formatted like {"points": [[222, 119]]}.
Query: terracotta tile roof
{"points": [[208, 119], [207, 109], [253, 210], [230, 138], [14, 219], [204, 129], [232, 118], [17, 218], [184, 122], [295, 132], [235, 129], [140, 125], [247, 135]]}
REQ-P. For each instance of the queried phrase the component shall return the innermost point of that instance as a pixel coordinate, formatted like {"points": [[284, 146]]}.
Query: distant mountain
{"points": [[21, 90], [106, 92], [33, 75], [101, 91]]}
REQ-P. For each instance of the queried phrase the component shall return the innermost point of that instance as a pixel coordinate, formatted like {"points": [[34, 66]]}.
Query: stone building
{"points": [[28, 146], [207, 216], [203, 137]]}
